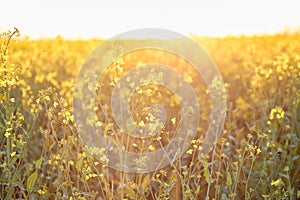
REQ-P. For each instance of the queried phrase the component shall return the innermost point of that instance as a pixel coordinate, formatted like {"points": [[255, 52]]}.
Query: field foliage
{"points": [[257, 155]]}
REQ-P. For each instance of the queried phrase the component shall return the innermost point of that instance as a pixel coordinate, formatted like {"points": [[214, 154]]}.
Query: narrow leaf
{"points": [[38, 163], [145, 184], [228, 179], [31, 181]]}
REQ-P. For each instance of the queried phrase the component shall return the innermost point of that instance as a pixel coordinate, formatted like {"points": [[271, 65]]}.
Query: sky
{"points": [[105, 19]]}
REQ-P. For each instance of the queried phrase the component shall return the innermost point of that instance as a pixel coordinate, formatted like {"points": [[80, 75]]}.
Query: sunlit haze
{"points": [[86, 19]]}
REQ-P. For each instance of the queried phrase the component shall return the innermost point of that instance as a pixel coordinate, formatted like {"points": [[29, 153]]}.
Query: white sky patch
{"points": [[95, 18]]}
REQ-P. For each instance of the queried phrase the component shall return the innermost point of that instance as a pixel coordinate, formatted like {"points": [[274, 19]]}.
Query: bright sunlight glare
{"points": [[104, 19]]}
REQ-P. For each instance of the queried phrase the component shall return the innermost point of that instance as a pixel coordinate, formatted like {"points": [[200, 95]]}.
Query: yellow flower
{"points": [[21, 118], [67, 116], [134, 144], [173, 120], [47, 98], [277, 113], [276, 183], [151, 148], [119, 61], [71, 118], [89, 176], [42, 191], [258, 151], [12, 100], [142, 123], [190, 151], [249, 136], [71, 162], [55, 104], [13, 154], [163, 172], [7, 134], [93, 175]]}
